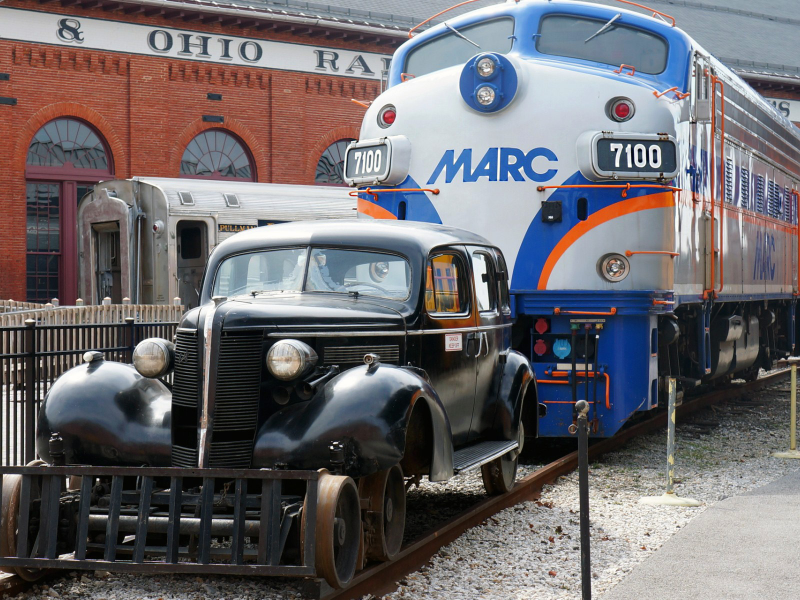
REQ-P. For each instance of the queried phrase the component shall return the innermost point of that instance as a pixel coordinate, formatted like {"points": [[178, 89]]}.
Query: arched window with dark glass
{"points": [[217, 154], [330, 167], [66, 157]]}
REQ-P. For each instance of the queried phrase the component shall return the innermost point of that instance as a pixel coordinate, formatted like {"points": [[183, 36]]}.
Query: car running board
{"points": [[475, 456]]}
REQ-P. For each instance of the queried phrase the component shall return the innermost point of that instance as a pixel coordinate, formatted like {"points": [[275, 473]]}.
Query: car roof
{"points": [[407, 237]]}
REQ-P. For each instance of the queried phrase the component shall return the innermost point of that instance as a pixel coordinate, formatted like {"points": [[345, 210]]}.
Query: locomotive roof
{"points": [[407, 237]]}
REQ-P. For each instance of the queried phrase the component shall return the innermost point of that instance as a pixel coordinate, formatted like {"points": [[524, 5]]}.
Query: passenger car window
{"points": [[445, 289], [574, 37], [485, 281], [357, 271], [449, 49], [270, 271]]}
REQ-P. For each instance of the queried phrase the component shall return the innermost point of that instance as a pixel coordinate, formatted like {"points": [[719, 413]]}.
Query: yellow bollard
{"points": [[792, 453]]}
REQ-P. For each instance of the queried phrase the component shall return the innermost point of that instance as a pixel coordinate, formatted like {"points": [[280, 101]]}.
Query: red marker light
{"points": [[540, 347], [620, 109], [387, 116]]}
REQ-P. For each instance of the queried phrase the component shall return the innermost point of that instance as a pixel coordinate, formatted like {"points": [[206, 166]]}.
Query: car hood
{"points": [[305, 312]]}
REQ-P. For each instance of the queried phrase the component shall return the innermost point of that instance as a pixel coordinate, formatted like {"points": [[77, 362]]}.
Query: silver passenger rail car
{"points": [[148, 238]]}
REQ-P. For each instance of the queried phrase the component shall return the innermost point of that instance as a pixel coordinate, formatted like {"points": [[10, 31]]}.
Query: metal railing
{"points": [[33, 356]]}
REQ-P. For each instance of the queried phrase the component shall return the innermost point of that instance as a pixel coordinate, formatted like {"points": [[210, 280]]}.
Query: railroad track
{"points": [[381, 578]]}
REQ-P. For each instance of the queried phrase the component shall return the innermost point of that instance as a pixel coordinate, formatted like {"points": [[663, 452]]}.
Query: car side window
{"points": [[445, 287], [485, 281], [504, 282]]}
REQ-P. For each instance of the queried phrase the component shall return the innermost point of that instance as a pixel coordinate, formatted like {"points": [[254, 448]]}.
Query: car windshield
{"points": [[356, 272]]}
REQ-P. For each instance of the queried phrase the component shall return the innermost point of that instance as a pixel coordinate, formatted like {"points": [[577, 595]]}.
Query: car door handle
{"points": [[484, 344]]}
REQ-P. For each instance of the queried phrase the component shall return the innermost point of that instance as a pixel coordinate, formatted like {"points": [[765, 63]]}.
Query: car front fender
{"points": [[107, 414], [517, 377], [367, 410]]}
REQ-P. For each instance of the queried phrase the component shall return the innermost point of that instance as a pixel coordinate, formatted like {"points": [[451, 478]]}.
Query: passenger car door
{"points": [[489, 333], [449, 341]]}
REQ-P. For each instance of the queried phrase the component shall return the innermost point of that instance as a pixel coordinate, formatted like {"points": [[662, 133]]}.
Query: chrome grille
{"points": [[336, 355], [236, 399], [186, 381]]}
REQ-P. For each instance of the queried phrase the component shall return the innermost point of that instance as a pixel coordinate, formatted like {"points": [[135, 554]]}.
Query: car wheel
{"points": [[500, 474], [385, 520], [12, 486]]}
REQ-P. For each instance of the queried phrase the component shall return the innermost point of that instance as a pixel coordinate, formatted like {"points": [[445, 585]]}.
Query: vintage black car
{"points": [[328, 366]]}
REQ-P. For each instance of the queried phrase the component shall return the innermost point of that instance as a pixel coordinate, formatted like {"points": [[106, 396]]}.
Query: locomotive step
{"points": [[475, 456]]}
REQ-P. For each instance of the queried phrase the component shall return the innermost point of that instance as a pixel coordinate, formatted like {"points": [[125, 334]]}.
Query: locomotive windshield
{"points": [[353, 272], [459, 45], [601, 41]]}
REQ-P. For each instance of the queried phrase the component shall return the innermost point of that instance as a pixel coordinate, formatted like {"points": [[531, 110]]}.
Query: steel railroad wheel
{"points": [[385, 521], [500, 474], [12, 485], [338, 530]]}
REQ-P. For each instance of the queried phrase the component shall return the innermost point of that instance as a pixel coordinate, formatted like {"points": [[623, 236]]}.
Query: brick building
{"points": [[97, 89], [254, 90]]}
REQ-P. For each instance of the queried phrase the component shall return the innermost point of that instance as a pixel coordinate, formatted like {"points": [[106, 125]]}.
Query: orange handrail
{"points": [[679, 95], [413, 29], [583, 374], [374, 193], [624, 187], [652, 10], [657, 302], [558, 311], [630, 253], [716, 81], [360, 103], [622, 67]]}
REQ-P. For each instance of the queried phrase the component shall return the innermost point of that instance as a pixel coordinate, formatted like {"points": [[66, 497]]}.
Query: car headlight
{"points": [[154, 357], [288, 359]]}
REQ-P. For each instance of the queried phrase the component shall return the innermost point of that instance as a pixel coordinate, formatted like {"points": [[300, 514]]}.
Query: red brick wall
{"points": [[149, 108]]}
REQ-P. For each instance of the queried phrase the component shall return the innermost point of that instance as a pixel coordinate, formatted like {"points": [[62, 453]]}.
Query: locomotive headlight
{"points": [[288, 359], [614, 267], [485, 67], [485, 95], [154, 357]]}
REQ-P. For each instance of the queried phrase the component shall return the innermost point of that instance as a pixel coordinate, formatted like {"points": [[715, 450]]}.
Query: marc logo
{"points": [[69, 30]]}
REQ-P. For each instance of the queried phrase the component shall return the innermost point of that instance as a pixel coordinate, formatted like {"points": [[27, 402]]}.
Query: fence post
{"points": [[131, 341], [31, 379]]}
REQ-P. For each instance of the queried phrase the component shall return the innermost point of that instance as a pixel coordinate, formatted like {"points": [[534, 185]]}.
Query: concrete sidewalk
{"points": [[746, 547]]}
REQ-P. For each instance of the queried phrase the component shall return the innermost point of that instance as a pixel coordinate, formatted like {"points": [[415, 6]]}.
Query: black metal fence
{"points": [[34, 356]]}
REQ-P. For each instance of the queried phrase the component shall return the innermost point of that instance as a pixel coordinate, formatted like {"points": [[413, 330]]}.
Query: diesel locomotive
{"points": [[644, 195]]}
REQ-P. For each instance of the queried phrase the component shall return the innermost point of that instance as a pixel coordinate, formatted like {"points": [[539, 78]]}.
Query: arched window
{"points": [[66, 157], [217, 154], [330, 167]]}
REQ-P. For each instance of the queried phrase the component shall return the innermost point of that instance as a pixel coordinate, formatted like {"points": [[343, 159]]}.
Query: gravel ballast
{"points": [[532, 550]]}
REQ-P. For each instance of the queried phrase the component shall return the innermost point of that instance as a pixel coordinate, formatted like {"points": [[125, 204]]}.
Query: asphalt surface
{"points": [[744, 547]]}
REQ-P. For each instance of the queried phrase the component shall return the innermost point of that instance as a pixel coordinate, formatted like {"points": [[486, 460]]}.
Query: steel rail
{"points": [[381, 578]]}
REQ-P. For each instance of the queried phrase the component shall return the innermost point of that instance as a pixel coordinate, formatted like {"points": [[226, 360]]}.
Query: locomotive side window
{"points": [[602, 41], [452, 49], [445, 287]]}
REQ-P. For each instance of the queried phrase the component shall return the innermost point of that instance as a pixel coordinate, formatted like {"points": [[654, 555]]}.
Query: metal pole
{"points": [[31, 383], [671, 395], [793, 411], [582, 408]]}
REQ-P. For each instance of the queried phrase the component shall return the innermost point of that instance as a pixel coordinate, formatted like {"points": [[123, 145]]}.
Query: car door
{"points": [[449, 339], [490, 334]]}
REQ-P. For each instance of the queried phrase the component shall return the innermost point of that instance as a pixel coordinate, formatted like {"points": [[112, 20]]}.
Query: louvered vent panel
{"points": [[729, 180], [745, 188], [760, 193], [336, 355], [184, 457], [186, 381]]}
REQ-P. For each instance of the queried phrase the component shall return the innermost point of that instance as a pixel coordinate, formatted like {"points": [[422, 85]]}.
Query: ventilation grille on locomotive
{"points": [[344, 355]]}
